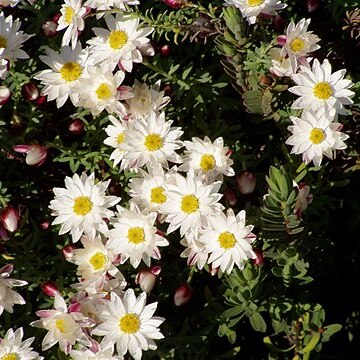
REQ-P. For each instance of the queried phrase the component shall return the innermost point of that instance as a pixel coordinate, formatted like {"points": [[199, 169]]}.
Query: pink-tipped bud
{"points": [[278, 23], [30, 91], [5, 95], [230, 197], [147, 49], [44, 224], [146, 279], [246, 182], [281, 40], [259, 260], [76, 127], [68, 251], [182, 295], [42, 99], [49, 288], [56, 17], [175, 4], [10, 218], [312, 5], [156, 270], [213, 271], [36, 155], [3, 234], [49, 28], [165, 50]]}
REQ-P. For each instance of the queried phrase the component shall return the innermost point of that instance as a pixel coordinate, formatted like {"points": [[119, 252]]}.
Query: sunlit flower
{"points": [[36, 154], [11, 39], [82, 206], [315, 134], [135, 237], [108, 4], [282, 66], [9, 297], [129, 324], [10, 3], [86, 354], [189, 203], [119, 44], [319, 88], [65, 70], [71, 19], [195, 251], [211, 159], [152, 139], [13, 348], [250, 9], [228, 240]]}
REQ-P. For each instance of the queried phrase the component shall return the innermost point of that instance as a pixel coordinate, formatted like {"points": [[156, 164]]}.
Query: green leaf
{"points": [[236, 310], [311, 344], [332, 329], [257, 322], [272, 347]]}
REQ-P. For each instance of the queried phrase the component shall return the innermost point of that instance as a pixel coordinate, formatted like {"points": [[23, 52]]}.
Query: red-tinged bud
{"points": [[175, 4], [5, 95], [278, 23], [3, 234], [228, 152], [49, 288], [147, 49], [165, 50], [30, 91], [259, 260], [146, 279], [36, 154], [281, 40], [68, 251], [75, 307], [230, 197], [160, 233], [77, 127], [44, 224], [213, 271], [49, 28], [156, 270], [167, 89], [246, 182], [182, 295], [266, 80], [10, 218], [312, 5], [56, 17], [42, 99], [114, 188]]}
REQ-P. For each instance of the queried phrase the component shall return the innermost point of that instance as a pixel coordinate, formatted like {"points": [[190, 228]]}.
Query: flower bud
{"points": [[230, 197], [76, 127], [10, 218], [41, 100], [312, 5], [146, 279], [36, 154], [278, 23], [30, 91], [259, 260], [165, 50], [56, 17], [246, 182], [147, 49], [49, 28], [44, 224], [3, 234], [175, 4], [49, 288], [5, 95], [182, 295], [67, 251]]}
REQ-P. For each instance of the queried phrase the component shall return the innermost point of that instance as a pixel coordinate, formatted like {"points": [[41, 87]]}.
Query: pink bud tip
{"points": [[49, 28], [259, 260], [182, 295], [76, 127], [44, 224], [49, 288], [175, 4], [246, 182], [68, 251], [312, 5], [146, 279], [5, 95], [230, 197], [30, 91], [10, 218]]}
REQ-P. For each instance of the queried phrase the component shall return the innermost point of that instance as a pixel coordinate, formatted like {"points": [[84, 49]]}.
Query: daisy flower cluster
{"points": [[322, 94]]}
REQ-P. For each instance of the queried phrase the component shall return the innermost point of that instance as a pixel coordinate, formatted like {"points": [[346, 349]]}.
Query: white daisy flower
{"points": [[12, 347], [101, 5], [86, 354], [98, 90], [119, 44], [9, 297], [211, 159], [129, 324], [148, 190], [195, 251], [10, 3], [135, 237], [299, 41], [11, 38], [250, 9], [66, 69], [71, 19], [146, 99], [315, 134], [4, 65], [228, 241], [152, 139], [319, 88], [116, 139], [282, 66], [82, 206], [64, 327], [189, 203]]}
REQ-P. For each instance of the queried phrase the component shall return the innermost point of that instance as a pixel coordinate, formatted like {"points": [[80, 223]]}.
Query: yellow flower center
{"points": [[207, 162], [189, 203], [255, 2], [98, 261], [71, 71], [129, 323], [153, 142], [117, 39], [297, 45], [103, 92], [323, 90], [157, 195], [3, 42], [60, 324], [317, 136], [68, 15], [226, 240], [11, 356], [120, 138], [136, 235], [82, 205]]}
